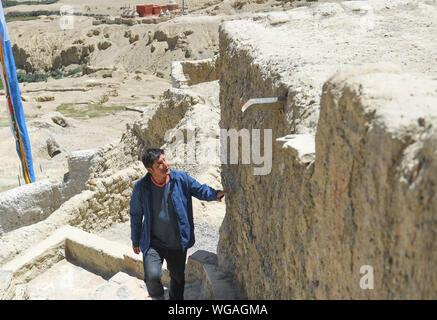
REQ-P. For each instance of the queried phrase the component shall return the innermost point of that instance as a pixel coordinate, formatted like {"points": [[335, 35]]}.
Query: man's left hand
{"points": [[221, 194]]}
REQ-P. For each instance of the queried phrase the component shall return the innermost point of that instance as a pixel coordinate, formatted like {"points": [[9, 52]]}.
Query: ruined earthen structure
{"points": [[351, 185], [365, 194]]}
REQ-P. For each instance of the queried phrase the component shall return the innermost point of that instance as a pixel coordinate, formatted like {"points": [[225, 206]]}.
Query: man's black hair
{"points": [[150, 155]]}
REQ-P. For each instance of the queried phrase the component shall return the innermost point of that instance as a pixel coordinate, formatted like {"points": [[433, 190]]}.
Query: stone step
{"points": [[73, 265], [63, 281], [215, 284]]}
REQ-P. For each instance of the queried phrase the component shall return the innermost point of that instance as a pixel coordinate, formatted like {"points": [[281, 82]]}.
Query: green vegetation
{"points": [[11, 3], [21, 18], [38, 77], [88, 111]]}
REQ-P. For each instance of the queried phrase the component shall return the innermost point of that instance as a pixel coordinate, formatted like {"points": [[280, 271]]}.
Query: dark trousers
{"points": [[152, 262]]}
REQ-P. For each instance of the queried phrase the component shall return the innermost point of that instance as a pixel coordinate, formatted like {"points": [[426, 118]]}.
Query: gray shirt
{"points": [[164, 230]]}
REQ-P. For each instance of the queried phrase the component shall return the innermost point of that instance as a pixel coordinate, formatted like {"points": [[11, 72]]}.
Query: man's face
{"points": [[160, 168]]}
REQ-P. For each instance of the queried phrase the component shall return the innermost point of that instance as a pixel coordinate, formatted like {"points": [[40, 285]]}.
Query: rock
{"points": [[77, 54], [114, 92], [302, 144], [160, 35], [89, 70], [239, 4], [104, 98], [104, 45], [21, 292], [132, 39], [278, 18], [123, 293], [149, 38], [164, 35], [53, 148], [60, 121], [178, 78], [188, 53], [21, 57], [120, 278], [129, 288]]}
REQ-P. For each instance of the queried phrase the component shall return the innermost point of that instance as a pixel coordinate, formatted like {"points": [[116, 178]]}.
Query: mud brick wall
{"points": [[366, 195]]}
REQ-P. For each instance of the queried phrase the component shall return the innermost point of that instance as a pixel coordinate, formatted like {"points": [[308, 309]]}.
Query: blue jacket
{"points": [[182, 187]]}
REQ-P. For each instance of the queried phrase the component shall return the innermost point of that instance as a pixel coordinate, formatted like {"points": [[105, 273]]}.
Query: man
{"points": [[162, 221]]}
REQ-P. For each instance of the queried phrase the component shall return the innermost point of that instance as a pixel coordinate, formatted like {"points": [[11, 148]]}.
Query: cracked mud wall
{"points": [[366, 198], [369, 198], [265, 213]]}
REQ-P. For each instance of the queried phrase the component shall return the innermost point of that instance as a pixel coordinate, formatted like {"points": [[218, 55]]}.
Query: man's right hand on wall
{"points": [[136, 249], [221, 194]]}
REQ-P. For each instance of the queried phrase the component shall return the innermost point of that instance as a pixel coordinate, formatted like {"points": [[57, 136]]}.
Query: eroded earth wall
{"points": [[361, 188]]}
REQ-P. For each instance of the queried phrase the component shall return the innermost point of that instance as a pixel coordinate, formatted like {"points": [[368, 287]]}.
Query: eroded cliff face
{"points": [[355, 187], [43, 46]]}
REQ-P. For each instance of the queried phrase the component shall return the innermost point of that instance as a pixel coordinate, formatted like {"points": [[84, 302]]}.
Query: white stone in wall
{"points": [[303, 144]]}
